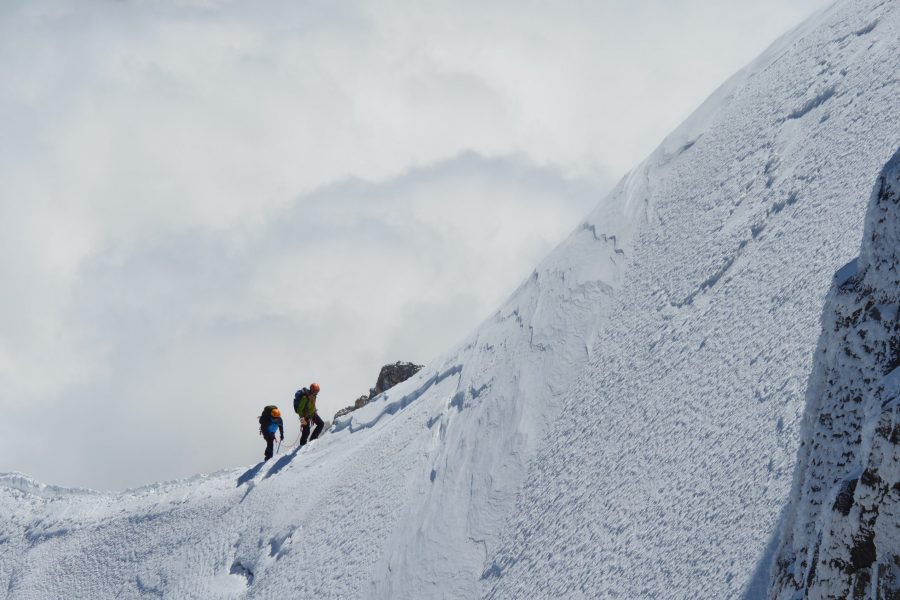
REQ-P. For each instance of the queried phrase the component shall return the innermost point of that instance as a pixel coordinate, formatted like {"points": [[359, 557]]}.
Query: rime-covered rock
{"points": [[359, 403], [842, 537], [389, 376], [393, 374]]}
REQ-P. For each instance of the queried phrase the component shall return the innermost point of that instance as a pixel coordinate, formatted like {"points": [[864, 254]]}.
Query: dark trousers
{"points": [[304, 429], [270, 440]]}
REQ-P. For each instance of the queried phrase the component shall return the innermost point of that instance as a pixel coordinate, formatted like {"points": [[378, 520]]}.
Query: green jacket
{"points": [[307, 406]]}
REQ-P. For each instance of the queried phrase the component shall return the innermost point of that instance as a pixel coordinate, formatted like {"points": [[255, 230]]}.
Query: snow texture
{"points": [[625, 426], [842, 537]]}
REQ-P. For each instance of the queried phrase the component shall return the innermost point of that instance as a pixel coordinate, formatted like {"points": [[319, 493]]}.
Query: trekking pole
{"points": [[279, 447]]}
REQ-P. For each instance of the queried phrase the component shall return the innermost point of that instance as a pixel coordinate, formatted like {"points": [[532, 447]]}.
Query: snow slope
{"points": [[624, 426], [677, 451]]}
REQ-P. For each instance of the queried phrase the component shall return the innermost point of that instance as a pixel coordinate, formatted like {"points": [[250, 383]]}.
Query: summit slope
{"points": [[676, 456], [626, 425]]}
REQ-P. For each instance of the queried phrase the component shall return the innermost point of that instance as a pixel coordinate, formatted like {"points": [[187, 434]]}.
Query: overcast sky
{"points": [[205, 205]]}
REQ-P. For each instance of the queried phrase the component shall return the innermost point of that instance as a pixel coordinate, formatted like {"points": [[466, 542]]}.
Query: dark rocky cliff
{"points": [[842, 534]]}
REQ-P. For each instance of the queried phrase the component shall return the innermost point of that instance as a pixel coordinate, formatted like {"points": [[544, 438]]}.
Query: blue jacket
{"points": [[274, 426]]}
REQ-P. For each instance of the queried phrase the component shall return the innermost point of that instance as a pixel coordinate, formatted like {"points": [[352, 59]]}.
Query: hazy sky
{"points": [[205, 205]]}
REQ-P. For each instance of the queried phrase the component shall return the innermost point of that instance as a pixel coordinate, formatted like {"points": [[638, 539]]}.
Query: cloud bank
{"points": [[204, 205]]}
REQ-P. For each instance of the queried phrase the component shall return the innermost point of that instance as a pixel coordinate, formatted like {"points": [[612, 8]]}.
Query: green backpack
{"points": [[266, 417]]}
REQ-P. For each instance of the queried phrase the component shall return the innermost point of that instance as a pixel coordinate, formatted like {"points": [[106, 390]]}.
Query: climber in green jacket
{"points": [[305, 407]]}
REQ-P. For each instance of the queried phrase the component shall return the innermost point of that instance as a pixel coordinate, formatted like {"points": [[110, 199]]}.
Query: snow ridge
{"points": [[625, 425]]}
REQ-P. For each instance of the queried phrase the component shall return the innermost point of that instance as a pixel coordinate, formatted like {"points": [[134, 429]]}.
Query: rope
{"points": [[289, 446], [295, 444]]}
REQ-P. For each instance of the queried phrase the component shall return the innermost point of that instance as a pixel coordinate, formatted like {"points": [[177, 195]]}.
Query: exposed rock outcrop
{"points": [[842, 536], [393, 374], [389, 376]]}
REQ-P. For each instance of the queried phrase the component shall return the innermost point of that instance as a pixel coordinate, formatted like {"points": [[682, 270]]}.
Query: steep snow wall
{"points": [[625, 425], [667, 476], [842, 536]]}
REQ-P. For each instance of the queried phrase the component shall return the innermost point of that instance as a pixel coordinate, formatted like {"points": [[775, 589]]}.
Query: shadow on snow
{"points": [[250, 474], [282, 462]]}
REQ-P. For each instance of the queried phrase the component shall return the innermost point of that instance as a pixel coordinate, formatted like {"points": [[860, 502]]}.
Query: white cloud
{"points": [[205, 204], [190, 332]]}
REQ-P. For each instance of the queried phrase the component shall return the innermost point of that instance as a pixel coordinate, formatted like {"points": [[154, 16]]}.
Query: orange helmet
{"points": [[276, 414], [314, 388]]}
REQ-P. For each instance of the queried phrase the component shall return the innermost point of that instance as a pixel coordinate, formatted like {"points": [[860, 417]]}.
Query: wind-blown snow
{"points": [[624, 426]]}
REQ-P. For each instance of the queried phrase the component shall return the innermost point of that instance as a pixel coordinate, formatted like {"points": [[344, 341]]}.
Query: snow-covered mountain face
{"points": [[842, 535], [626, 425], [668, 474]]}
